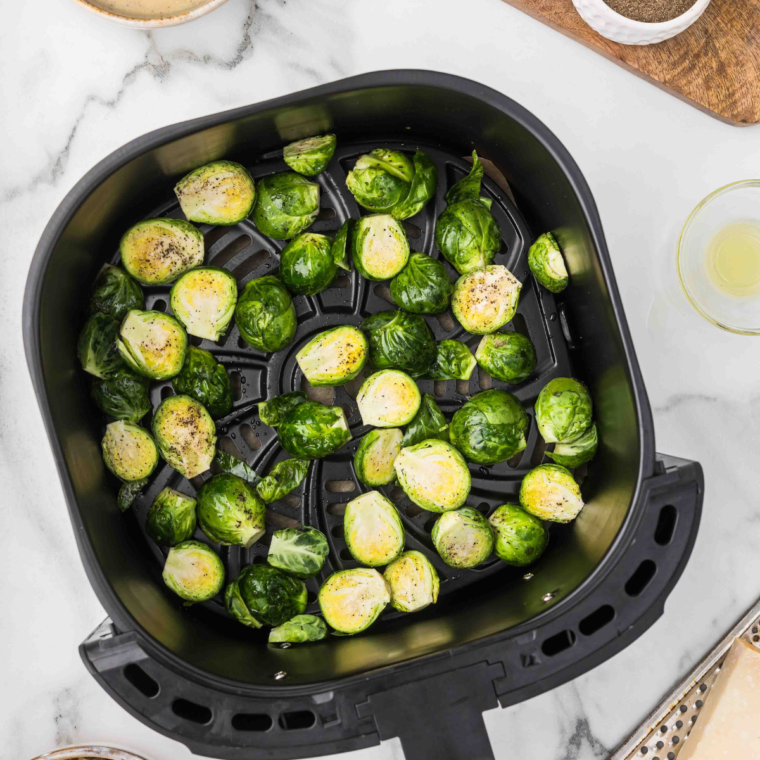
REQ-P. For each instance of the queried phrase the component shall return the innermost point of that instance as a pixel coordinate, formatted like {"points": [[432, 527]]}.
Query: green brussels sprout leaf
{"points": [[123, 396], [312, 430], [286, 205], [299, 552], [453, 361], [429, 423], [520, 538], [285, 477], [224, 462], [423, 286], [381, 179], [467, 188], [298, 630], [578, 451], [264, 595], [273, 412], [205, 380], [547, 263], [311, 155], [171, 517], [508, 356], [230, 512], [307, 265], [563, 410], [422, 189], [467, 235], [398, 340], [97, 348], [115, 293], [265, 314], [128, 493], [341, 245]]}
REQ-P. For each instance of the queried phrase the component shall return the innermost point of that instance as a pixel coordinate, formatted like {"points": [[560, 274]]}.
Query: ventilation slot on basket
{"points": [[558, 643], [167, 391], [341, 281], [141, 680], [324, 394], [412, 230], [520, 325], [336, 509], [250, 264], [192, 711], [346, 555], [484, 379], [159, 305], [340, 486], [214, 236], [294, 721], [325, 215], [666, 525], [382, 291], [596, 620], [236, 386], [252, 722], [280, 521], [641, 578], [229, 252], [446, 321], [337, 531], [251, 439]]}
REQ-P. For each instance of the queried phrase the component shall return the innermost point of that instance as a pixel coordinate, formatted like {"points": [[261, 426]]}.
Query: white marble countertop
{"points": [[73, 88]]}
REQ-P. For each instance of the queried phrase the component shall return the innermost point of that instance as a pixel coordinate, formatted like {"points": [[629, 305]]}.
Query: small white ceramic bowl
{"points": [[610, 24], [154, 23]]}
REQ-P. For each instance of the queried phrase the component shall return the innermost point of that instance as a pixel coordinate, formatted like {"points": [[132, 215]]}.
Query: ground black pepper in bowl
{"points": [[651, 11]]}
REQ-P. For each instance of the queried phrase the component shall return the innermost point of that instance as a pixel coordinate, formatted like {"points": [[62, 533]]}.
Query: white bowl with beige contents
{"points": [[88, 752], [150, 14]]}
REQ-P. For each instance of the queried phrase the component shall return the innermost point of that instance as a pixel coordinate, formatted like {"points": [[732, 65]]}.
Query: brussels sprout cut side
{"points": [[265, 314], [381, 180], [157, 251], [486, 300], [264, 595], [373, 461], [123, 396], [550, 492], [115, 293], [563, 410], [129, 451], [428, 423], [423, 286], [312, 430], [298, 630], [284, 477], [97, 348], [373, 529], [414, 582], [388, 398], [287, 204], [351, 600], [153, 344], [230, 512], [220, 193], [307, 265], [380, 247], [398, 340], [273, 412], [508, 356], [463, 538], [547, 264], [203, 300], [298, 552], [453, 361], [578, 451], [520, 537], [171, 517], [334, 357], [205, 380], [311, 155], [194, 572]]}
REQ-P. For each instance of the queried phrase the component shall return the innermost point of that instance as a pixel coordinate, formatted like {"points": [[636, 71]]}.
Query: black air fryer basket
{"points": [[497, 635]]}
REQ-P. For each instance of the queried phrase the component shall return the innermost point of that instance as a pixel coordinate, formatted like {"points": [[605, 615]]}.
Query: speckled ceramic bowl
{"points": [[610, 24], [154, 23], [89, 752]]}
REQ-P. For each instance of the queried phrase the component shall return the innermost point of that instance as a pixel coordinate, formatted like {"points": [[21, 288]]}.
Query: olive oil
{"points": [[733, 260]]}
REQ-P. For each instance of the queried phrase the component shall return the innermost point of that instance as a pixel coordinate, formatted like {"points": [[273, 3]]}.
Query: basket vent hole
{"points": [[236, 387], [396, 493], [195, 340], [439, 388], [340, 486], [558, 643], [192, 711], [251, 439], [666, 525], [167, 391], [141, 680], [515, 460], [197, 481], [352, 386], [413, 510], [252, 722], [520, 325], [227, 445], [159, 305], [214, 236], [251, 264], [463, 387], [325, 215], [641, 578], [280, 521], [242, 343], [538, 452], [294, 721], [347, 410], [345, 555], [412, 230], [383, 291], [259, 559], [430, 524], [230, 251], [291, 500], [337, 531], [341, 281], [325, 394], [483, 508], [596, 620], [484, 379], [311, 597], [337, 510], [446, 321]]}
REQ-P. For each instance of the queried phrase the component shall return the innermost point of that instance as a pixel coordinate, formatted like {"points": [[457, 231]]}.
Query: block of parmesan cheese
{"points": [[729, 723]]}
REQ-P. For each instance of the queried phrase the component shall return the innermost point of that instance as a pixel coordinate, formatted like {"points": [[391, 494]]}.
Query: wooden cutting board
{"points": [[714, 65]]}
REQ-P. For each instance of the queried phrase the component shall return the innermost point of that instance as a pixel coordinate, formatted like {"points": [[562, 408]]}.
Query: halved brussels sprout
{"points": [[224, 462], [453, 361], [414, 582], [311, 155], [153, 344], [490, 428], [284, 477], [205, 380], [203, 300], [230, 512], [286, 205], [486, 300], [508, 356], [129, 451], [563, 410], [381, 180], [428, 423], [468, 188], [221, 193], [157, 251], [423, 286], [467, 235], [264, 595], [341, 245], [185, 434], [373, 461], [334, 357], [115, 293], [351, 600], [313, 430], [123, 396], [422, 189], [520, 537], [463, 538], [373, 529], [388, 398], [307, 265], [299, 552], [194, 571], [398, 340], [380, 247], [273, 412], [550, 492], [265, 314], [299, 629], [128, 493], [171, 517], [434, 475], [97, 347], [547, 264], [578, 451]]}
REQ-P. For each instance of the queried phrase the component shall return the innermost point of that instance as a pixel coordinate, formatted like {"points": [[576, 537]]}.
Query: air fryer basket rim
{"points": [[140, 145]]}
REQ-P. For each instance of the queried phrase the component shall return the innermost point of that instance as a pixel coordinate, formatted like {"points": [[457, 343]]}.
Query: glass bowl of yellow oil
{"points": [[718, 258]]}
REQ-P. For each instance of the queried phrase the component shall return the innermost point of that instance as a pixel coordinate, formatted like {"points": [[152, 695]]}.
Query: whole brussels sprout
{"points": [[273, 412], [284, 477], [299, 629], [463, 538], [230, 512], [414, 582], [373, 529], [286, 205], [264, 595], [547, 264], [388, 398], [220, 193], [224, 462], [428, 423], [563, 410], [334, 357], [398, 340], [422, 189], [490, 428], [194, 571], [351, 600], [307, 265], [171, 517], [128, 492], [381, 179], [153, 344], [434, 475], [157, 251], [486, 300], [508, 356], [373, 461], [123, 396], [453, 361], [312, 430], [299, 552], [203, 300], [467, 235], [265, 314], [341, 245], [379, 246], [185, 434], [520, 537], [205, 380], [550, 492], [311, 155], [97, 348], [115, 293], [578, 451], [468, 188], [129, 451], [423, 286]]}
